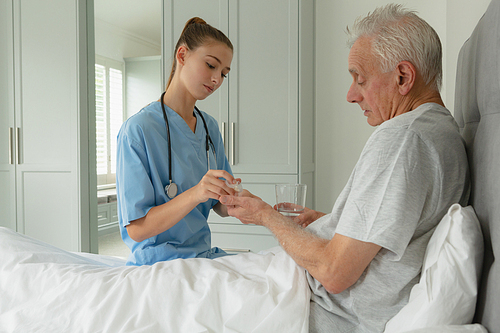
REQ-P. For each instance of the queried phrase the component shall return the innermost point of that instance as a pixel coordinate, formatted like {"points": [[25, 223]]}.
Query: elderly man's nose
{"points": [[353, 95]]}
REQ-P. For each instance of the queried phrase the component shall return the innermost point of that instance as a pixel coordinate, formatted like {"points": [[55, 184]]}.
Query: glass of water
{"points": [[291, 199]]}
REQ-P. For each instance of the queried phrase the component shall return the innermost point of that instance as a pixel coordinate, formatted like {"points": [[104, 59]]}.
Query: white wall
{"points": [[143, 82], [341, 128]]}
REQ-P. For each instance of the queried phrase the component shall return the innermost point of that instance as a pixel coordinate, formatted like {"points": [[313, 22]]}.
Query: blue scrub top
{"points": [[142, 174]]}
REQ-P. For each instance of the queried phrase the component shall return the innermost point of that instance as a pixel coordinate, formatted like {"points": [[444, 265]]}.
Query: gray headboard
{"points": [[477, 110]]}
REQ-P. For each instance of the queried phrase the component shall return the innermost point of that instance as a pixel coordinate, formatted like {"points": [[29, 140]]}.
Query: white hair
{"points": [[398, 34]]}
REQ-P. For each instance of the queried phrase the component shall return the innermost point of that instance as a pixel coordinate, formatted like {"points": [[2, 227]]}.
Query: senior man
{"points": [[365, 256]]}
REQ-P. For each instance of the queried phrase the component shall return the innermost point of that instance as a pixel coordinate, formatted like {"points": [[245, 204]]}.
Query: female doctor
{"points": [[171, 165]]}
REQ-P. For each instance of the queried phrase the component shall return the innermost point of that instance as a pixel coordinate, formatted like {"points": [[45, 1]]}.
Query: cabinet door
{"points": [[176, 14], [7, 126], [263, 90], [47, 95]]}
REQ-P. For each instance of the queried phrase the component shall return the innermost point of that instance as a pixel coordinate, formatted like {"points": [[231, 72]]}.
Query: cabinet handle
{"points": [[233, 129], [11, 151], [237, 250], [223, 130], [18, 136]]}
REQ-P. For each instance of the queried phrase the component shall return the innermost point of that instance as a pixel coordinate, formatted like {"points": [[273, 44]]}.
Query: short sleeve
{"points": [[389, 188], [135, 198]]}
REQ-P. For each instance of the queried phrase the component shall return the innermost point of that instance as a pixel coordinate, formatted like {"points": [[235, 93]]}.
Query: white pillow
{"points": [[447, 290]]}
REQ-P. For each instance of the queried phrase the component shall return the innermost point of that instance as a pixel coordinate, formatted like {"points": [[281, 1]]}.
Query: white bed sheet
{"points": [[46, 289]]}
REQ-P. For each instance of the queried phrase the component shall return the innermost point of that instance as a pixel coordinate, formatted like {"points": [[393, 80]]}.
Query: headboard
{"points": [[477, 111]]}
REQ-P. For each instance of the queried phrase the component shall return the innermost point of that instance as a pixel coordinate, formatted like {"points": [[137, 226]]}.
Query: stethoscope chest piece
{"points": [[171, 190]]}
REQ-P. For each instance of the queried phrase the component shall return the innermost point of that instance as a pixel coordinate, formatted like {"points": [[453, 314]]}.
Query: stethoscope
{"points": [[171, 188]]}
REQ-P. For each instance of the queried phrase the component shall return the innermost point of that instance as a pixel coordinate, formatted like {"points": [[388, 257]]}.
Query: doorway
{"points": [[128, 44]]}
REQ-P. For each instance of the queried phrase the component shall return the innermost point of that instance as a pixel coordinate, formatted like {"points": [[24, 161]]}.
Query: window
{"points": [[109, 116]]}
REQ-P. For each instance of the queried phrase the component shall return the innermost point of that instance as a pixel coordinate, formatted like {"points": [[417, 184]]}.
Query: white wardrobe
{"points": [[265, 107], [46, 83]]}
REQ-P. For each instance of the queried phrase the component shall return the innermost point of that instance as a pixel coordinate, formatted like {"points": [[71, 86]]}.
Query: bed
{"points": [[46, 289]]}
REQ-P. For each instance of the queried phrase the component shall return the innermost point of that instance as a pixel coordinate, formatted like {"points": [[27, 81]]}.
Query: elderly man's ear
{"points": [[406, 77]]}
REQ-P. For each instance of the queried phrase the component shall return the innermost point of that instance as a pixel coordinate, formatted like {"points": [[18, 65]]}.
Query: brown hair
{"points": [[196, 33]]}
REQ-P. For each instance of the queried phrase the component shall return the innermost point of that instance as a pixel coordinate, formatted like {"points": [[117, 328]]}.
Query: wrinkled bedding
{"points": [[46, 289]]}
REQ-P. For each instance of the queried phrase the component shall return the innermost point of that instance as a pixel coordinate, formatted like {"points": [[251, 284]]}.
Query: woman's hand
{"points": [[163, 217], [213, 186]]}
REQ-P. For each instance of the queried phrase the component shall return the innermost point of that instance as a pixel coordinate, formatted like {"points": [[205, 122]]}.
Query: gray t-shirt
{"points": [[411, 170]]}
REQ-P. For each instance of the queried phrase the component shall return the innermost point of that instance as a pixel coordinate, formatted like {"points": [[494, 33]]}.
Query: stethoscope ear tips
{"points": [[171, 190]]}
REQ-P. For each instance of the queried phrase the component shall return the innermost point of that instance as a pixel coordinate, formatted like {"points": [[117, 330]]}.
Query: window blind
{"points": [[115, 113], [109, 116], [101, 123]]}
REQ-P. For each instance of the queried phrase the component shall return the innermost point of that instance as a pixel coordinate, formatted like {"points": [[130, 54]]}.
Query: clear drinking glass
{"points": [[291, 199]]}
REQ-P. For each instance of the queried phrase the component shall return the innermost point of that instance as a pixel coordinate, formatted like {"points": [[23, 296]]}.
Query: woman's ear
{"points": [[181, 54], [407, 75]]}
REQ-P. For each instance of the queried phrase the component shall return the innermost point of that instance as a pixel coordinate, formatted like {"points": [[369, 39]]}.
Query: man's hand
{"points": [[248, 208], [308, 217], [304, 219]]}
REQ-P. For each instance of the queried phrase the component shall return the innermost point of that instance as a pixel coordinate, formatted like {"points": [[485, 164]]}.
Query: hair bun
{"points": [[194, 20]]}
